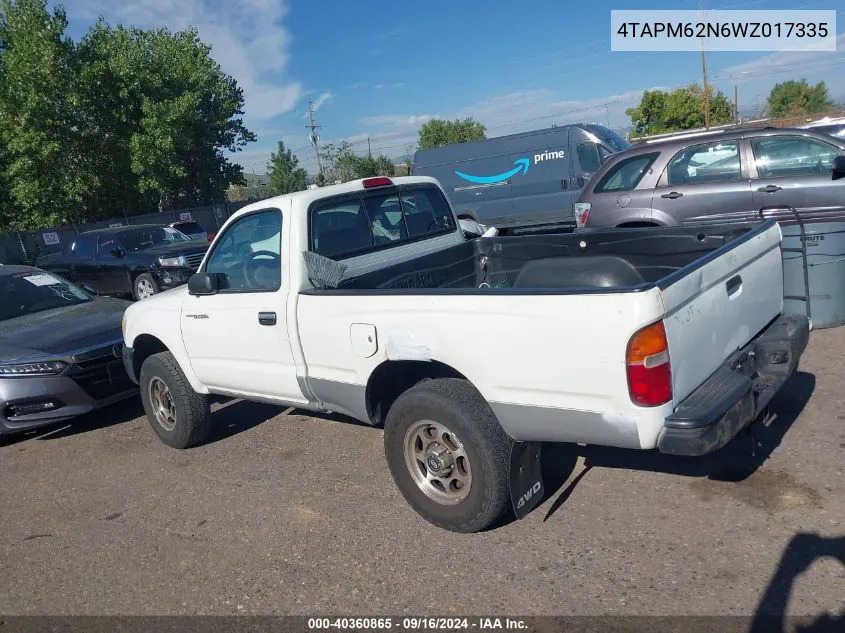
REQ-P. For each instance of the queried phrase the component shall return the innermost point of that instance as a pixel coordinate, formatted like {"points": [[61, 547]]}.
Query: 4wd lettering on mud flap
{"points": [[527, 496]]}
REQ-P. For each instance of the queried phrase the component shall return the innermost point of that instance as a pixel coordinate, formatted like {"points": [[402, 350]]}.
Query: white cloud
{"points": [[247, 37], [391, 134], [785, 61], [318, 102]]}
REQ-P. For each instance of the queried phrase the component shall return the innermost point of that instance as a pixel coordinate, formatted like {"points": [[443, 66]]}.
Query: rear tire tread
{"points": [[463, 409]]}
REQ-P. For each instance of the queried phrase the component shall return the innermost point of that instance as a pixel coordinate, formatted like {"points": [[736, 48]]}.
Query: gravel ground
{"points": [[286, 513]]}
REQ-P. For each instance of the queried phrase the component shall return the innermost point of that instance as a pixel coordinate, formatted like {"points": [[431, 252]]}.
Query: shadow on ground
{"points": [[735, 462], [799, 555]]}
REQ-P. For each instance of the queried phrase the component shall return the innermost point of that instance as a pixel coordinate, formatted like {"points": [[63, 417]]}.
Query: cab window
{"points": [[357, 225], [249, 253]]}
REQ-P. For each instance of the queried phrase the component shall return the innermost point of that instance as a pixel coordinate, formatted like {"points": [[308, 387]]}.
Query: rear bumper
{"points": [[737, 392]]}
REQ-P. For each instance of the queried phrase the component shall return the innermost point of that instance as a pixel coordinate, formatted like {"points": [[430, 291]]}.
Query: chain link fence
{"points": [[24, 247]]}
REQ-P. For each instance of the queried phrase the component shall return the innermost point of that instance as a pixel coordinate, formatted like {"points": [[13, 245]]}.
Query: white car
{"points": [[470, 352]]}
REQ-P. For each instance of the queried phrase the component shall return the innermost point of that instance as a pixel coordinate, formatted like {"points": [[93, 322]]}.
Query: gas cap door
{"points": [[363, 338]]}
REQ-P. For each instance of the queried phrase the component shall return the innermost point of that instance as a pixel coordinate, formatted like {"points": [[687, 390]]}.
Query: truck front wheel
{"points": [[448, 455], [180, 416]]}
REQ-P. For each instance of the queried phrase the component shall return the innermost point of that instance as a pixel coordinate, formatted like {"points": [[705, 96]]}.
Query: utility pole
{"points": [[607, 114], [736, 104], [704, 74], [369, 151], [313, 136]]}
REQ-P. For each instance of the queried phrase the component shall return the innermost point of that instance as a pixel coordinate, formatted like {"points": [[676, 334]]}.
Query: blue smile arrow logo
{"points": [[522, 165]]}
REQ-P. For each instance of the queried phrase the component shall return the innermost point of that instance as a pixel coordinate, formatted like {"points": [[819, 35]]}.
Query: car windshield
{"points": [[148, 237], [610, 138], [35, 291]]}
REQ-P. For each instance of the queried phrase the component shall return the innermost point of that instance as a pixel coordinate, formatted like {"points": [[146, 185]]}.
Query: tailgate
{"points": [[721, 304]]}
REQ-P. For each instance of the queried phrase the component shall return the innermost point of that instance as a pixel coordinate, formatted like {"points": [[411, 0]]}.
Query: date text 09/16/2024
{"points": [[417, 623]]}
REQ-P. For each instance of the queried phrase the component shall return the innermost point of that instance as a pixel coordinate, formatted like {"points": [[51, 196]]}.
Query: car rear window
{"points": [[188, 227], [626, 174]]}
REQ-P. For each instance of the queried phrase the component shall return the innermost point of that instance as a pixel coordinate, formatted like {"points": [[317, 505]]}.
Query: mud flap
{"points": [[526, 478]]}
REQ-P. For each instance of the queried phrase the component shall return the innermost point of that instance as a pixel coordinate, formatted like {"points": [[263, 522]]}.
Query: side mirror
{"points": [[91, 290], [838, 167], [201, 284]]}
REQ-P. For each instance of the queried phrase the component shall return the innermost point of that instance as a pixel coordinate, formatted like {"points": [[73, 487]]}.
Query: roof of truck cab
{"points": [[305, 198]]}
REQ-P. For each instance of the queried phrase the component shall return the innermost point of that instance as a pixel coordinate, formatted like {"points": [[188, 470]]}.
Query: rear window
{"points": [[353, 226], [626, 174], [188, 227]]}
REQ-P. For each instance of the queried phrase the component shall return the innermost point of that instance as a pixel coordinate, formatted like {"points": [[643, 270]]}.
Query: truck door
{"points": [[543, 191], [81, 264], [109, 271], [238, 340]]}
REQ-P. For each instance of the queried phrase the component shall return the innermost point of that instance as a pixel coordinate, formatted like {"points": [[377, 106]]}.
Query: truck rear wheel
{"points": [[180, 416], [448, 455]]}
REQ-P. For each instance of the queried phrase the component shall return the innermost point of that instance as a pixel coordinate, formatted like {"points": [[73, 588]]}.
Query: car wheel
{"points": [[448, 455], [180, 416], [145, 286]]}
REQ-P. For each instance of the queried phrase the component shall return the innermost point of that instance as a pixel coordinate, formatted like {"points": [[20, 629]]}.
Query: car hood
{"points": [[174, 250], [62, 332]]}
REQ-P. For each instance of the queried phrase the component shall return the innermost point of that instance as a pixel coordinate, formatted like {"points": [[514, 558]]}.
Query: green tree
{"points": [[438, 132], [798, 99], [286, 176], [45, 168], [647, 118], [161, 112], [681, 109]]}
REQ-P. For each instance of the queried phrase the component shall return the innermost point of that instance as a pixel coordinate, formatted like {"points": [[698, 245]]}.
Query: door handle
{"points": [[267, 318], [672, 195], [733, 285], [769, 189]]}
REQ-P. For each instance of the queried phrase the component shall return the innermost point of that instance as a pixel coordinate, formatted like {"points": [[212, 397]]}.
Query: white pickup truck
{"points": [[368, 300]]}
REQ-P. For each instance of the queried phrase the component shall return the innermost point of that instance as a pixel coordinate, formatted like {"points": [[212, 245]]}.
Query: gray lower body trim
{"points": [[547, 424], [341, 397]]}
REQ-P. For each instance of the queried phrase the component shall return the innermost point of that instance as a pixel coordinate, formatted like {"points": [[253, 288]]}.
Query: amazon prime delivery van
{"points": [[526, 178]]}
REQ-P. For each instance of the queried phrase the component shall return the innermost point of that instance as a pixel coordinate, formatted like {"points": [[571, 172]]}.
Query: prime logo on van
{"points": [[521, 165]]}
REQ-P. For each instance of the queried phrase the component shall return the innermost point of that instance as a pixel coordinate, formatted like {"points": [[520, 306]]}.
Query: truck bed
{"points": [[611, 261]]}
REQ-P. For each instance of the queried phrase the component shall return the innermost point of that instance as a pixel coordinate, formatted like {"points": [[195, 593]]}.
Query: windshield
{"points": [[35, 291], [609, 138], [148, 237]]}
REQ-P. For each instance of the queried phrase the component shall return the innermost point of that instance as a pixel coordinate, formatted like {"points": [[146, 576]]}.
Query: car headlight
{"points": [[47, 368], [173, 261]]}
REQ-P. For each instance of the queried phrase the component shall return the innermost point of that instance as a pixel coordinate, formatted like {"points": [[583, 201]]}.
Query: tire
{"points": [[190, 421], [457, 406], [144, 286]]}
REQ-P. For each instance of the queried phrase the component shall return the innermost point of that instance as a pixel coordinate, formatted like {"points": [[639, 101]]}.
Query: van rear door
{"points": [[720, 305]]}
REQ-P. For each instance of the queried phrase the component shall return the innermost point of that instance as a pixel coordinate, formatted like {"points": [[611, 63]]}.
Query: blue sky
{"points": [[381, 69]]}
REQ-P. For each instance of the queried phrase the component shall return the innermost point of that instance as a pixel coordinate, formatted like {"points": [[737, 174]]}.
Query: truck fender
{"points": [[525, 479]]}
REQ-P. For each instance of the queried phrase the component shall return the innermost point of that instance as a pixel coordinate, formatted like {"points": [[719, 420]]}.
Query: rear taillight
{"points": [[211, 237], [649, 370], [582, 213]]}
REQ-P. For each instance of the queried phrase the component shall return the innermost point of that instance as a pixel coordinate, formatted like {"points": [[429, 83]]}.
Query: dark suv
{"points": [[722, 176]]}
